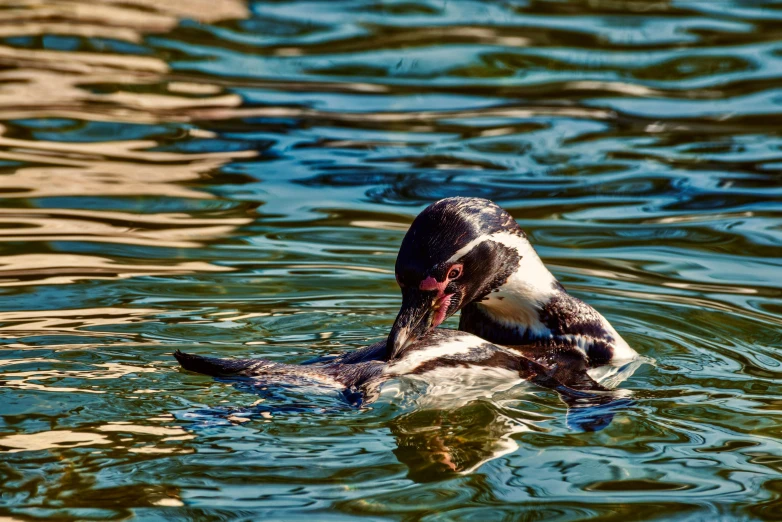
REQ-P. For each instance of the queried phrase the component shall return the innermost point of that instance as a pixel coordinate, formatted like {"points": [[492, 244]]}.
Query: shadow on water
{"points": [[234, 178]]}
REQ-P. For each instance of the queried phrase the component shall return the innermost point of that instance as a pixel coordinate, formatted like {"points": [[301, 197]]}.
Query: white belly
{"points": [[450, 387]]}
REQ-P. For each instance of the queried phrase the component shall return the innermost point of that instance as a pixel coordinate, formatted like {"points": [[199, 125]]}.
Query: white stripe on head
{"points": [[466, 249], [531, 272], [529, 286]]}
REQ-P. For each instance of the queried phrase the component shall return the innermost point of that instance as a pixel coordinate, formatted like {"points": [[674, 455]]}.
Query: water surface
{"points": [[235, 179]]}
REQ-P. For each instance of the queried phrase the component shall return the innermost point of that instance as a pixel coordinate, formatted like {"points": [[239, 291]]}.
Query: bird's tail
{"points": [[256, 368], [216, 367], [343, 376]]}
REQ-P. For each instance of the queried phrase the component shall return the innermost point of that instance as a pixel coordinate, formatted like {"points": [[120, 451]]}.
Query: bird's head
{"points": [[457, 251]]}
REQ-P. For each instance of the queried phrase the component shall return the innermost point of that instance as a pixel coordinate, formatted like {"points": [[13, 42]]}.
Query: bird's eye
{"points": [[455, 273]]}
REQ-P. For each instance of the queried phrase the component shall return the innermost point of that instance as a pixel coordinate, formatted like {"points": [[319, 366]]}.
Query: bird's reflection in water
{"points": [[436, 444]]}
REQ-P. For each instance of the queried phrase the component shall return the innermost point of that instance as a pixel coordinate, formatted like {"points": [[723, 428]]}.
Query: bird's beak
{"points": [[412, 321], [421, 311]]}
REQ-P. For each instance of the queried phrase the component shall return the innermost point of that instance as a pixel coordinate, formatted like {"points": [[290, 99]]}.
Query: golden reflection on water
{"points": [[51, 440], [49, 84], [58, 269], [70, 320], [84, 226], [389, 117], [59, 94], [108, 169], [127, 427], [139, 434], [135, 17], [32, 380]]}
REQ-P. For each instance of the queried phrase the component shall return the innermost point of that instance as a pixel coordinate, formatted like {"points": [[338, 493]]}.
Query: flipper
{"points": [[591, 406], [564, 362]]}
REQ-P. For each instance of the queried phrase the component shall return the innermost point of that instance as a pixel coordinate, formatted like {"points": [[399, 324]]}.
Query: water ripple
{"points": [[234, 178]]}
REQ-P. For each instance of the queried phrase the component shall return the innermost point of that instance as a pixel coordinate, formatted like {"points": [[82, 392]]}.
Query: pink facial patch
{"points": [[443, 301], [430, 283]]}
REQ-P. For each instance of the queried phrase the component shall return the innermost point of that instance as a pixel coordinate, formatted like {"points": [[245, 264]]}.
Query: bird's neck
{"points": [[513, 311], [532, 307], [512, 314]]}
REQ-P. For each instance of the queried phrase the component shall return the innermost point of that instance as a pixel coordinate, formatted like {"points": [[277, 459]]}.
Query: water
{"points": [[235, 179]]}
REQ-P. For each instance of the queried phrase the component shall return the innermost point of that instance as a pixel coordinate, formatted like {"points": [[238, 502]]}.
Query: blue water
{"points": [[234, 179]]}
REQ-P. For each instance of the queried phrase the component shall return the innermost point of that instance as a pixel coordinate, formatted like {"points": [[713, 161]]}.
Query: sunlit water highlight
{"points": [[235, 179]]}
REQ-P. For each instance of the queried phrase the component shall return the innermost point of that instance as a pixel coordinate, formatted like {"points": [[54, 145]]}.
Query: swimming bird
{"points": [[464, 363], [518, 322]]}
